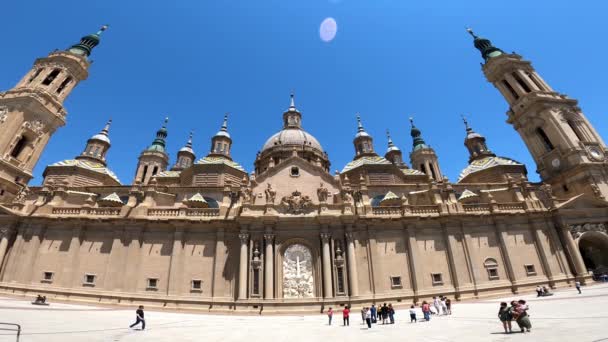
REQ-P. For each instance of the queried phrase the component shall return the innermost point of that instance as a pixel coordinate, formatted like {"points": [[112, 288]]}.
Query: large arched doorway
{"points": [[298, 280], [594, 250]]}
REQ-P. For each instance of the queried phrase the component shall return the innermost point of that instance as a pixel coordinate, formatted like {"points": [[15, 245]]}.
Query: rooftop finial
{"points": [[189, 143], [359, 124], [106, 128], [166, 122], [470, 30], [103, 28], [466, 123], [412, 121], [225, 123], [292, 102], [390, 141]]}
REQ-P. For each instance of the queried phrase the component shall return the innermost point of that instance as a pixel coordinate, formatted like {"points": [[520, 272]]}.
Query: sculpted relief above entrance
{"points": [[298, 281]]}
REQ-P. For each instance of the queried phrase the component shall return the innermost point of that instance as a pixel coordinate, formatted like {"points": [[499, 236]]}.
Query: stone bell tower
{"points": [[569, 153], [33, 110]]}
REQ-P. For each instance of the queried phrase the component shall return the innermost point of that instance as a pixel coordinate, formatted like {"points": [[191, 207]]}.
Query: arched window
{"points": [[521, 82], [143, 174], [492, 267], [544, 139], [510, 89]]}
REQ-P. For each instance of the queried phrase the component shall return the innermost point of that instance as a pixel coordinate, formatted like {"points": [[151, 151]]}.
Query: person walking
{"points": [[444, 305], [345, 314], [448, 305], [330, 314], [505, 315], [363, 312], [413, 314], [139, 313], [426, 310], [578, 286], [539, 291], [373, 313], [384, 313], [368, 317], [437, 305], [391, 313], [520, 315]]}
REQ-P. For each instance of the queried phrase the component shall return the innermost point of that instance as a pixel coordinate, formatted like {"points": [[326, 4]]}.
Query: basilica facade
{"points": [[202, 233]]}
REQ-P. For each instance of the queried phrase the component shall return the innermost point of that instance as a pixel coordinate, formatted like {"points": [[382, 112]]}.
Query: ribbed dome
{"points": [[292, 137]]}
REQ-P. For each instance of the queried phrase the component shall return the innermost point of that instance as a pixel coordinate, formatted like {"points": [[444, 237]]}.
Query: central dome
{"points": [[292, 137]]}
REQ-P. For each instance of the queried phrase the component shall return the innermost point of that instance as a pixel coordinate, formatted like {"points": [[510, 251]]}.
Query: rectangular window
{"points": [[521, 82], [535, 81], [574, 129], [152, 284], [510, 89], [51, 77], [340, 280], [437, 279], [396, 282], [35, 75], [63, 85], [544, 139], [196, 285], [89, 279], [19, 146], [493, 273], [47, 277], [530, 270]]}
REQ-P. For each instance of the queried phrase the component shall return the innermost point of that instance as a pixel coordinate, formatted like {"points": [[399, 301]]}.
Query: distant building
{"points": [[205, 234]]}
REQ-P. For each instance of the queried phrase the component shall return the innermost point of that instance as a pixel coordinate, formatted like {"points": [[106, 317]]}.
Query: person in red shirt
{"points": [[426, 310], [345, 314]]}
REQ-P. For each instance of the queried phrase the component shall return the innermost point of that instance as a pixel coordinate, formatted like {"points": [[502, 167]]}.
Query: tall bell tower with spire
{"points": [[154, 159], [569, 153], [33, 110]]}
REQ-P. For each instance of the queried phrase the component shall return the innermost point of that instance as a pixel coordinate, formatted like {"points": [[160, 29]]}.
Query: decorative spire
{"points": [[223, 132], [87, 43], [292, 117], [466, 124], [360, 130], [417, 136], [390, 141], [103, 135], [158, 145], [292, 102], [475, 143], [484, 46]]}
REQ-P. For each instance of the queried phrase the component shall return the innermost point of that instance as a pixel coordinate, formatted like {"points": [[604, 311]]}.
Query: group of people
{"points": [[543, 291], [517, 311], [386, 313], [369, 315], [440, 306]]}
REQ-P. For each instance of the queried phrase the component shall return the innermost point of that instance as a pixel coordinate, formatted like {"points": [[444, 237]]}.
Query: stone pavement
{"points": [[566, 316]]}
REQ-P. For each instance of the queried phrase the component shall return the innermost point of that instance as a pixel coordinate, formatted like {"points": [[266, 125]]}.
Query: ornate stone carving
{"points": [[347, 197], [35, 126], [578, 229], [3, 113], [296, 203], [269, 238], [325, 237], [322, 192], [256, 262], [244, 237], [22, 194], [6, 232], [339, 254], [270, 194], [298, 281], [247, 196]]}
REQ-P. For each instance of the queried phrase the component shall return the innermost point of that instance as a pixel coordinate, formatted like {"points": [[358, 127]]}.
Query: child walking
{"points": [[412, 314], [330, 314], [345, 314], [505, 315]]}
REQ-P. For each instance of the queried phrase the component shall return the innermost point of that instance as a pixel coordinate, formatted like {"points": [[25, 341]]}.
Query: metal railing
{"points": [[11, 327]]}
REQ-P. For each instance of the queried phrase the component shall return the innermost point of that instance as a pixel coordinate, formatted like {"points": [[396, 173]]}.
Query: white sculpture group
{"points": [[298, 281]]}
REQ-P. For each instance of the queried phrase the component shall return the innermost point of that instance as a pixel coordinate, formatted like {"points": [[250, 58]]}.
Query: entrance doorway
{"points": [[594, 250]]}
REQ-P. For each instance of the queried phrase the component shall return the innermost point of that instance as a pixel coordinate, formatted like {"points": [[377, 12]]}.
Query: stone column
{"points": [[70, 267], [269, 267], [577, 260], [327, 282], [416, 267], [451, 246], [352, 264], [501, 228], [29, 258], [244, 237], [5, 234], [544, 251], [175, 283], [221, 286]]}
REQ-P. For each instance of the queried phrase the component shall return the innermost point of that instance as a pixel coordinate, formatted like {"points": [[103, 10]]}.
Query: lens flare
{"points": [[328, 29]]}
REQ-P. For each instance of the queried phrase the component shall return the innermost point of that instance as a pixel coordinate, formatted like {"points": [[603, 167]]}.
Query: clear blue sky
{"points": [[196, 60]]}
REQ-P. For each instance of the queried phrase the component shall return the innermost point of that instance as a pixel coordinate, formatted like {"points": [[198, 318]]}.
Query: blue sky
{"points": [[195, 60]]}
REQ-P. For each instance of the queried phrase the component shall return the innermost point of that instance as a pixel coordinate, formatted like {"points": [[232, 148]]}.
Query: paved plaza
{"points": [[566, 316]]}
